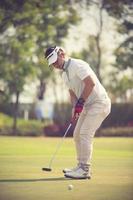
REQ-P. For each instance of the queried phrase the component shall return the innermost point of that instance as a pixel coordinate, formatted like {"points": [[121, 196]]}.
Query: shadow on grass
{"points": [[34, 180]]}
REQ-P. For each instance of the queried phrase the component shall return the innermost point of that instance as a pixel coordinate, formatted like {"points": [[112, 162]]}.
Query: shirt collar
{"points": [[66, 64]]}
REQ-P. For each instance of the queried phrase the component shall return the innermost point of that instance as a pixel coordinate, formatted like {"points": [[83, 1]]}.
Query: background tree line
{"points": [[28, 27]]}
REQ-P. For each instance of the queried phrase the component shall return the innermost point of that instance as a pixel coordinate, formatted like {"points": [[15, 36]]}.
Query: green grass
{"points": [[21, 177]]}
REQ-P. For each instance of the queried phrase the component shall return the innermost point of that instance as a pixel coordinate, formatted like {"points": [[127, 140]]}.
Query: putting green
{"points": [[21, 178]]}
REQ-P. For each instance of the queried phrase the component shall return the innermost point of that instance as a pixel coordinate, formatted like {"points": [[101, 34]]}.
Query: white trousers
{"points": [[89, 121]]}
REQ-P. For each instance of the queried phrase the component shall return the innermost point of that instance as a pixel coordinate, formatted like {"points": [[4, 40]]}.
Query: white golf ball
{"points": [[70, 187]]}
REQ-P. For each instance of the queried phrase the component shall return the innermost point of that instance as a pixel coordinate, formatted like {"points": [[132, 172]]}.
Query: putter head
{"points": [[47, 169]]}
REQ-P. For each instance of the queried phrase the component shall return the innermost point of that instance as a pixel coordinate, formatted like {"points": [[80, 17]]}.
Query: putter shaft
{"points": [[59, 145]]}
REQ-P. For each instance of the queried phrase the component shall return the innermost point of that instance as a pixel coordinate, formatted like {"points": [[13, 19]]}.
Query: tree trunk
{"points": [[41, 89], [98, 66], [98, 38], [16, 106]]}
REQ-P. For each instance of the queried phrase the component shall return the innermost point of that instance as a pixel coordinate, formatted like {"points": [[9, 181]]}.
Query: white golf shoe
{"points": [[66, 170], [80, 173]]}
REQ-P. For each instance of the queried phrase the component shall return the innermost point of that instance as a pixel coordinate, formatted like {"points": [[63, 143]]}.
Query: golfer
{"points": [[90, 102]]}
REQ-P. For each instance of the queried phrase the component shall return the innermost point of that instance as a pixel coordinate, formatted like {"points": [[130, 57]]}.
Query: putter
{"points": [[48, 169]]}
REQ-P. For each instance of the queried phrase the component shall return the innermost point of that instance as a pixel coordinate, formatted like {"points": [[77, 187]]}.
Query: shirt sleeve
{"points": [[82, 71]]}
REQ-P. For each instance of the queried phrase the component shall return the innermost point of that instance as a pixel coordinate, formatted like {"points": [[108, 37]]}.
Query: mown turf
{"points": [[21, 178]]}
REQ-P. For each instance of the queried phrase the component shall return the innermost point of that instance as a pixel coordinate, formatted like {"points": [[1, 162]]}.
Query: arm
{"points": [[89, 85], [73, 97], [74, 100]]}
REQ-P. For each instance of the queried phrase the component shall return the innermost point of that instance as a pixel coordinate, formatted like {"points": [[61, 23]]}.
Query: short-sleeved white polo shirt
{"points": [[75, 72]]}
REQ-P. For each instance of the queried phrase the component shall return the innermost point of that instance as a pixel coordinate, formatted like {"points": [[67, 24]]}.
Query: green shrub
{"points": [[5, 120], [30, 128], [57, 130], [24, 128], [115, 132], [36, 128], [5, 124]]}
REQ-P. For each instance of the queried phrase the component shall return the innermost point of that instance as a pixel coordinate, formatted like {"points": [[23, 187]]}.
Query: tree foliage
{"points": [[124, 54], [26, 28], [122, 12]]}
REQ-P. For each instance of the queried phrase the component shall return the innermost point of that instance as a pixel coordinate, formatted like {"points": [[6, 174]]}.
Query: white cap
{"points": [[52, 57]]}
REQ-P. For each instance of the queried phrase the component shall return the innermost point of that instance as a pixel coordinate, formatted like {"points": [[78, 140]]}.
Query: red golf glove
{"points": [[78, 107]]}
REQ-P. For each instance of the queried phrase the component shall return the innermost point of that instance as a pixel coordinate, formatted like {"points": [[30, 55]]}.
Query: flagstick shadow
{"points": [[34, 180]]}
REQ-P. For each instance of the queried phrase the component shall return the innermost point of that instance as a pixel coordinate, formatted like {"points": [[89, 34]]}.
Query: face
{"points": [[60, 61]]}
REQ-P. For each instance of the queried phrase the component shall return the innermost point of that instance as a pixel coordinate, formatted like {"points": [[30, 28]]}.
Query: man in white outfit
{"points": [[91, 105]]}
